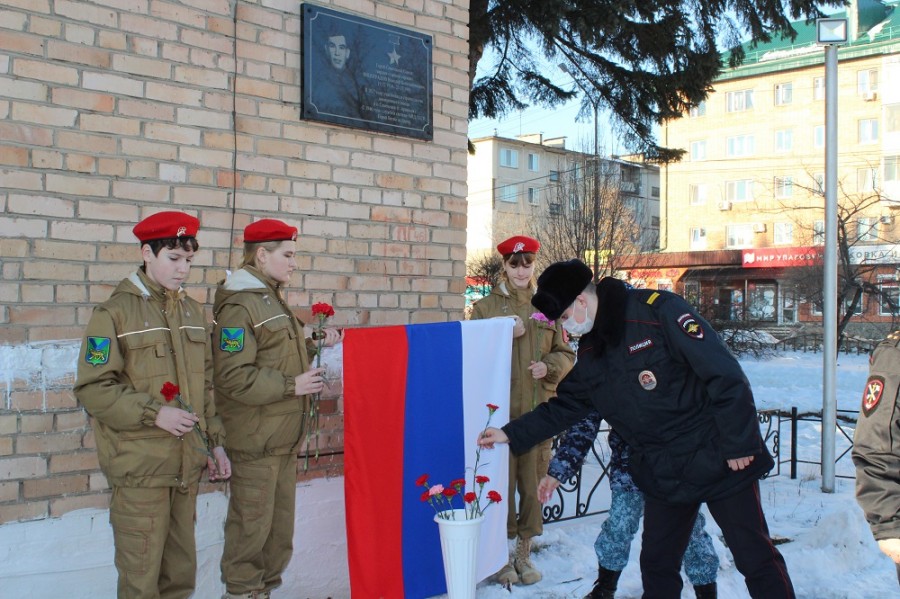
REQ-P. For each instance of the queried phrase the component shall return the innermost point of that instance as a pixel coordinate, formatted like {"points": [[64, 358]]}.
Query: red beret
{"points": [[519, 244], [269, 229], [166, 225]]}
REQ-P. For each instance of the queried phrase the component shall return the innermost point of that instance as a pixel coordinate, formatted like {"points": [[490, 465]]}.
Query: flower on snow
{"points": [[441, 498]]}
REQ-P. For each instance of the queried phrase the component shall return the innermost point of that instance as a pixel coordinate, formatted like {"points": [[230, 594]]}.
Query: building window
{"points": [[654, 191], [867, 228], [818, 232], [534, 162], [868, 131], [740, 146], [698, 194], [509, 158], [698, 110], [698, 238], [692, 293], [739, 101], [554, 176], [784, 187], [784, 140], [819, 136], [533, 198], [866, 179], [509, 193], [891, 169], [784, 233], [889, 302], [698, 150], [739, 191], [819, 182], [866, 81], [784, 93], [739, 236], [818, 88]]}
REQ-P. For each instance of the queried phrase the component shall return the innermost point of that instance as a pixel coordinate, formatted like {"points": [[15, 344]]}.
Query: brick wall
{"points": [[113, 109]]}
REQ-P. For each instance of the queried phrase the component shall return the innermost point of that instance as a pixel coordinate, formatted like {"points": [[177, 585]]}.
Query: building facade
{"points": [[514, 184], [743, 212]]}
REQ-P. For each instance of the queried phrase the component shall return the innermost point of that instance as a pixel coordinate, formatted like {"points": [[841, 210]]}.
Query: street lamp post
{"points": [[830, 33], [595, 228]]}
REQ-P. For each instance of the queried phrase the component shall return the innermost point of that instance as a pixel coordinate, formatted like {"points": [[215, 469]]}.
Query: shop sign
{"points": [[773, 257], [875, 254]]}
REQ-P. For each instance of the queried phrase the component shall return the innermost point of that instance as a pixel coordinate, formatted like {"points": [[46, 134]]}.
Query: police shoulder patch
{"points": [[97, 351], [232, 339], [689, 325], [872, 395]]}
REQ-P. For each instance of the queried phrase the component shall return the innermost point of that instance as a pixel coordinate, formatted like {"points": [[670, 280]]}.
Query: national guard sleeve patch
{"points": [[97, 351], [872, 394], [690, 326], [232, 339]]}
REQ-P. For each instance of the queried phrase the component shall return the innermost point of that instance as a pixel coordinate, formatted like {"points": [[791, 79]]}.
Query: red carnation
{"points": [[425, 496], [458, 483], [494, 496], [469, 497], [481, 479], [451, 492], [170, 391], [322, 309], [492, 408], [420, 482]]}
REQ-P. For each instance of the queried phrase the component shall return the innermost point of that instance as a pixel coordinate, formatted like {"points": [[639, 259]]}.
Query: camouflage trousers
{"points": [[613, 544]]}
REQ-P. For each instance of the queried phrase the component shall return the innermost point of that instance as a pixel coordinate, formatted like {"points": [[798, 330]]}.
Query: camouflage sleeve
{"points": [[574, 446]]}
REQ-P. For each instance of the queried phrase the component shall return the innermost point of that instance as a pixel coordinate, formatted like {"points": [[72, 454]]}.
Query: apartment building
{"points": [[743, 212], [514, 183]]}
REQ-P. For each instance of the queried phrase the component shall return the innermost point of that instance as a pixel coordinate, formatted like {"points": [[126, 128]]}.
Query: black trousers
{"points": [[667, 529]]}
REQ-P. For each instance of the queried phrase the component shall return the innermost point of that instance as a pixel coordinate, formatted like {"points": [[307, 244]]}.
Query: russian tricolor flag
{"points": [[415, 400]]}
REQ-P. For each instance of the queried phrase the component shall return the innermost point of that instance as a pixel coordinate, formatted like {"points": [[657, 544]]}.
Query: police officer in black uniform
{"points": [[659, 374]]}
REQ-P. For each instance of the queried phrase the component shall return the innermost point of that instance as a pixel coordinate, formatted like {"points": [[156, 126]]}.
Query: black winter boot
{"points": [[605, 586], [705, 591]]}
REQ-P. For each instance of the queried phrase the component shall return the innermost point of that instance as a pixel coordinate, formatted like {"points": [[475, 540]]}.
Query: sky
{"points": [[830, 552]]}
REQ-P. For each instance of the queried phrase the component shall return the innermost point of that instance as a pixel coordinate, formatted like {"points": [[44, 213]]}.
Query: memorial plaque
{"points": [[365, 74]]}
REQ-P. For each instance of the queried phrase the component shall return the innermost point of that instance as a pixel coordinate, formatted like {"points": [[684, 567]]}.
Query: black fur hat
{"points": [[559, 285]]}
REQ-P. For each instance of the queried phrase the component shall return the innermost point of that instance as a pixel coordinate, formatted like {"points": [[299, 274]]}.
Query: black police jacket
{"points": [[664, 380]]}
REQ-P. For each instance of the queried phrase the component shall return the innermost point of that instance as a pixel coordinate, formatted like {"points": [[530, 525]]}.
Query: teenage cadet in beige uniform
{"points": [[535, 373], [263, 380], [147, 334]]}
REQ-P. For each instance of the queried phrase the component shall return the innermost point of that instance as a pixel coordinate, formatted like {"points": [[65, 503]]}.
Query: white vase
{"points": [[459, 546]]}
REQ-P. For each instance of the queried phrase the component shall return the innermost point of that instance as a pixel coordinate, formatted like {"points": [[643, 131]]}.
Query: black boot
{"points": [[605, 586], [705, 591]]}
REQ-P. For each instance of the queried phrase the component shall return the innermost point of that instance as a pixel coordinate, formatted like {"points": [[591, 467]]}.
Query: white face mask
{"points": [[578, 328]]}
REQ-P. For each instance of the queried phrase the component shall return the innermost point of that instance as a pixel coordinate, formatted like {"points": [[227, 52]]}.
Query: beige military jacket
{"points": [[142, 337], [259, 349], [541, 342]]}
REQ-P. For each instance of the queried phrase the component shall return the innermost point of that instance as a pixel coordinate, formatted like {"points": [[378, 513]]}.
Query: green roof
{"points": [[878, 33]]}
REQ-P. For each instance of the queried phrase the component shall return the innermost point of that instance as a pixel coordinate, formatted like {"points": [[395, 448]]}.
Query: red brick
{"points": [[22, 467], [17, 512], [36, 423], [9, 491], [56, 485], [78, 53], [47, 443], [6, 446], [70, 421], [79, 461], [23, 401], [58, 507], [13, 156], [61, 399]]}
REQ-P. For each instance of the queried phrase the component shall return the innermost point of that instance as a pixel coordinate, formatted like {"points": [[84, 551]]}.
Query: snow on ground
{"points": [[829, 551]]}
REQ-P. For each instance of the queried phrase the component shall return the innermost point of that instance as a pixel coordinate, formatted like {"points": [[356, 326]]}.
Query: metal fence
{"points": [[587, 493]]}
